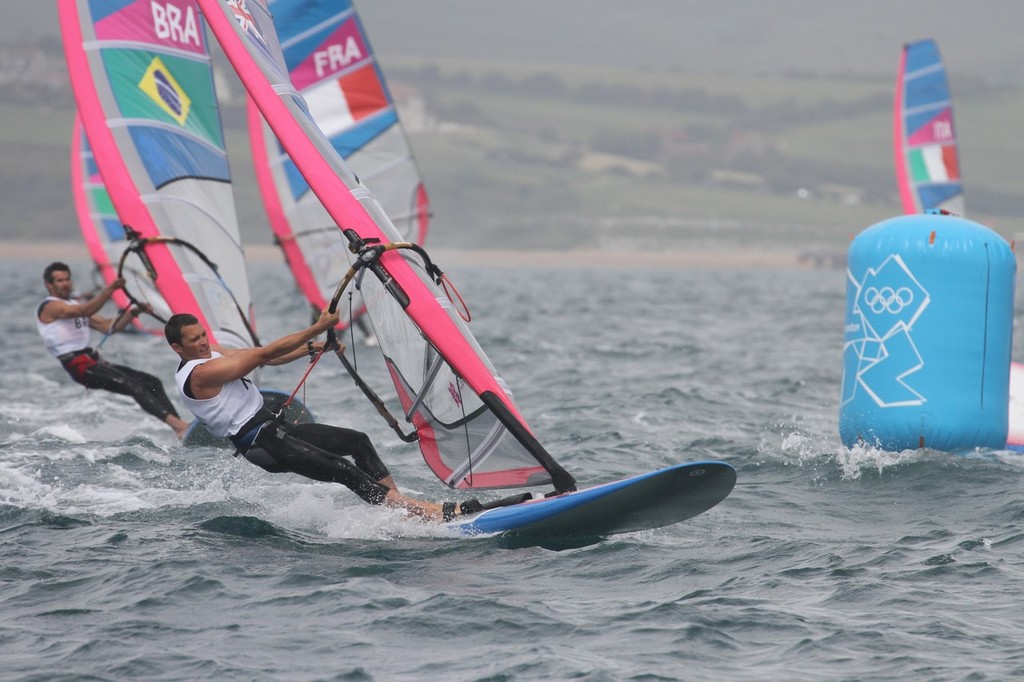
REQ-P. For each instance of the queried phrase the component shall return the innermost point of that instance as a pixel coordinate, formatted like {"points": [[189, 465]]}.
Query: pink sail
{"points": [[141, 76], [470, 431], [333, 67], [101, 229]]}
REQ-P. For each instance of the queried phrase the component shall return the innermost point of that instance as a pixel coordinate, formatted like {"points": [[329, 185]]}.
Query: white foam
{"points": [[334, 512], [802, 449], [859, 458], [62, 432]]}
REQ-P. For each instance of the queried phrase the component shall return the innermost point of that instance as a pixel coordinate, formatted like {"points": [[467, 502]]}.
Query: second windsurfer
{"points": [[65, 326]]}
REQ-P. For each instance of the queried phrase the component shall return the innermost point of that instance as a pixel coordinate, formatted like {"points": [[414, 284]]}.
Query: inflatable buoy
{"points": [[928, 335]]}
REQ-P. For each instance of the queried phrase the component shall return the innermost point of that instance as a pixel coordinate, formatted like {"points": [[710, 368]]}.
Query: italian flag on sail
{"points": [[934, 163]]}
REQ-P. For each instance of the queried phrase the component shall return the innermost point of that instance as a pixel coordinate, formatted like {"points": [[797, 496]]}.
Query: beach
{"points": [[597, 258]]}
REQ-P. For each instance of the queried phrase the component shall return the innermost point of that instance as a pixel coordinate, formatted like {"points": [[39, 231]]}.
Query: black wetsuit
{"points": [[92, 371], [86, 367], [316, 451]]}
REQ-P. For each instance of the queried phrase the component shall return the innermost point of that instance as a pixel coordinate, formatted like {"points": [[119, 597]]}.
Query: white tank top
{"points": [[228, 411], [66, 335]]}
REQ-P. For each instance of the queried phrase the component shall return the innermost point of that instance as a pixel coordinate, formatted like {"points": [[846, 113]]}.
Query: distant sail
{"points": [[332, 66], [924, 139], [142, 79], [469, 430], [101, 229]]}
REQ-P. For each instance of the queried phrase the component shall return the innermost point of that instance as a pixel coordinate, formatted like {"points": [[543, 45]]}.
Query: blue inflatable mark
{"points": [[927, 336]]}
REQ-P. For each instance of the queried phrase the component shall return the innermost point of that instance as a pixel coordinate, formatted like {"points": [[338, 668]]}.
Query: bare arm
{"points": [[125, 319], [300, 352], [58, 310], [120, 321], [207, 378]]}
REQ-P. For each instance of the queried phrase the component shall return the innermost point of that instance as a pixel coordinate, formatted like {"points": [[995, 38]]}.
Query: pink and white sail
{"points": [[142, 79], [470, 431]]}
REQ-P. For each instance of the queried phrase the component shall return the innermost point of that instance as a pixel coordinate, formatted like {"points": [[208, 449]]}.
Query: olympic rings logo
{"points": [[887, 299]]}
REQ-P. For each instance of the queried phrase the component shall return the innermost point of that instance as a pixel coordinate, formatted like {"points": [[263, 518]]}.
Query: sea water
{"points": [[125, 556]]}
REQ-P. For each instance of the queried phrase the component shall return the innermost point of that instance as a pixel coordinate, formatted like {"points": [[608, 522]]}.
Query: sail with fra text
{"points": [[332, 65], [468, 427], [924, 139], [143, 83]]}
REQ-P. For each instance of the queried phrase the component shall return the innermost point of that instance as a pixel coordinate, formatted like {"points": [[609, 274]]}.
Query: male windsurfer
{"points": [[66, 325], [214, 385]]}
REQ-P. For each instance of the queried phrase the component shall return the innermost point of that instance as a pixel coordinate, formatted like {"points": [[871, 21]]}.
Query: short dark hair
{"points": [[172, 330], [55, 266]]}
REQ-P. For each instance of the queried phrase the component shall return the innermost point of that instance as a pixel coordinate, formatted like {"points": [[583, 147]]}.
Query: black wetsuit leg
{"points": [[299, 451], [146, 389], [345, 443]]}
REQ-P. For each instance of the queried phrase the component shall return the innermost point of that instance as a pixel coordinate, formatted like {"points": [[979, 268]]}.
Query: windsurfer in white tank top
{"points": [[66, 327], [214, 385]]}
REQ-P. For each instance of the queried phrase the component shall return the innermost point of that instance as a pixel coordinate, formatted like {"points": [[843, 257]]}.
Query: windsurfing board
{"points": [[295, 413], [651, 500]]}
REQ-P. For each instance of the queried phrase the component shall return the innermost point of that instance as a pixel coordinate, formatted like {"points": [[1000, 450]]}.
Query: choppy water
{"points": [[125, 556]]}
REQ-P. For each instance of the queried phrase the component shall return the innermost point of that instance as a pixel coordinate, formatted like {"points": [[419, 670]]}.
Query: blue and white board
{"points": [[652, 500], [295, 413]]}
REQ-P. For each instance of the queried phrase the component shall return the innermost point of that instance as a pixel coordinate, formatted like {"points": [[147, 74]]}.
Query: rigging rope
{"points": [[113, 323], [309, 368], [445, 283], [314, 358]]}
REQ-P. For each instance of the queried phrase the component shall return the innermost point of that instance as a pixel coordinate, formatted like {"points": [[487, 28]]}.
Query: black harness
{"points": [[246, 435]]}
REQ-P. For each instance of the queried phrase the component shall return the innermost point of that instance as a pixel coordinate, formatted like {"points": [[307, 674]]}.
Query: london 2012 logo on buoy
{"points": [[879, 353]]}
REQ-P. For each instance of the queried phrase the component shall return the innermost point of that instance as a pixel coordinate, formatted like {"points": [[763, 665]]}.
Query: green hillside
{"points": [[521, 155], [681, 157]]}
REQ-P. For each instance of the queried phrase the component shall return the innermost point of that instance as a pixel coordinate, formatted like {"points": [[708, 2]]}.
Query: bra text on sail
{"points": [[171, 22]]}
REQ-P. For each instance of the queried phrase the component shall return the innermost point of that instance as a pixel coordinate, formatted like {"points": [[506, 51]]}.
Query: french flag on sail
{"points": [[339, 81], [338, 104]]}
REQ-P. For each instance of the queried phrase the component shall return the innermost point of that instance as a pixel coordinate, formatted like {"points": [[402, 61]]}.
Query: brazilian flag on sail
{"points": [[170, 107]]}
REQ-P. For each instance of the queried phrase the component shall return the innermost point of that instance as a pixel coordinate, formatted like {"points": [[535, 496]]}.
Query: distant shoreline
{"points": [[693, 258]]}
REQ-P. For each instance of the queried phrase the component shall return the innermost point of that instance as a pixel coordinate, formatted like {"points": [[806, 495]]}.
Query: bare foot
{"points": [[428, 511], [180, 427]]}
